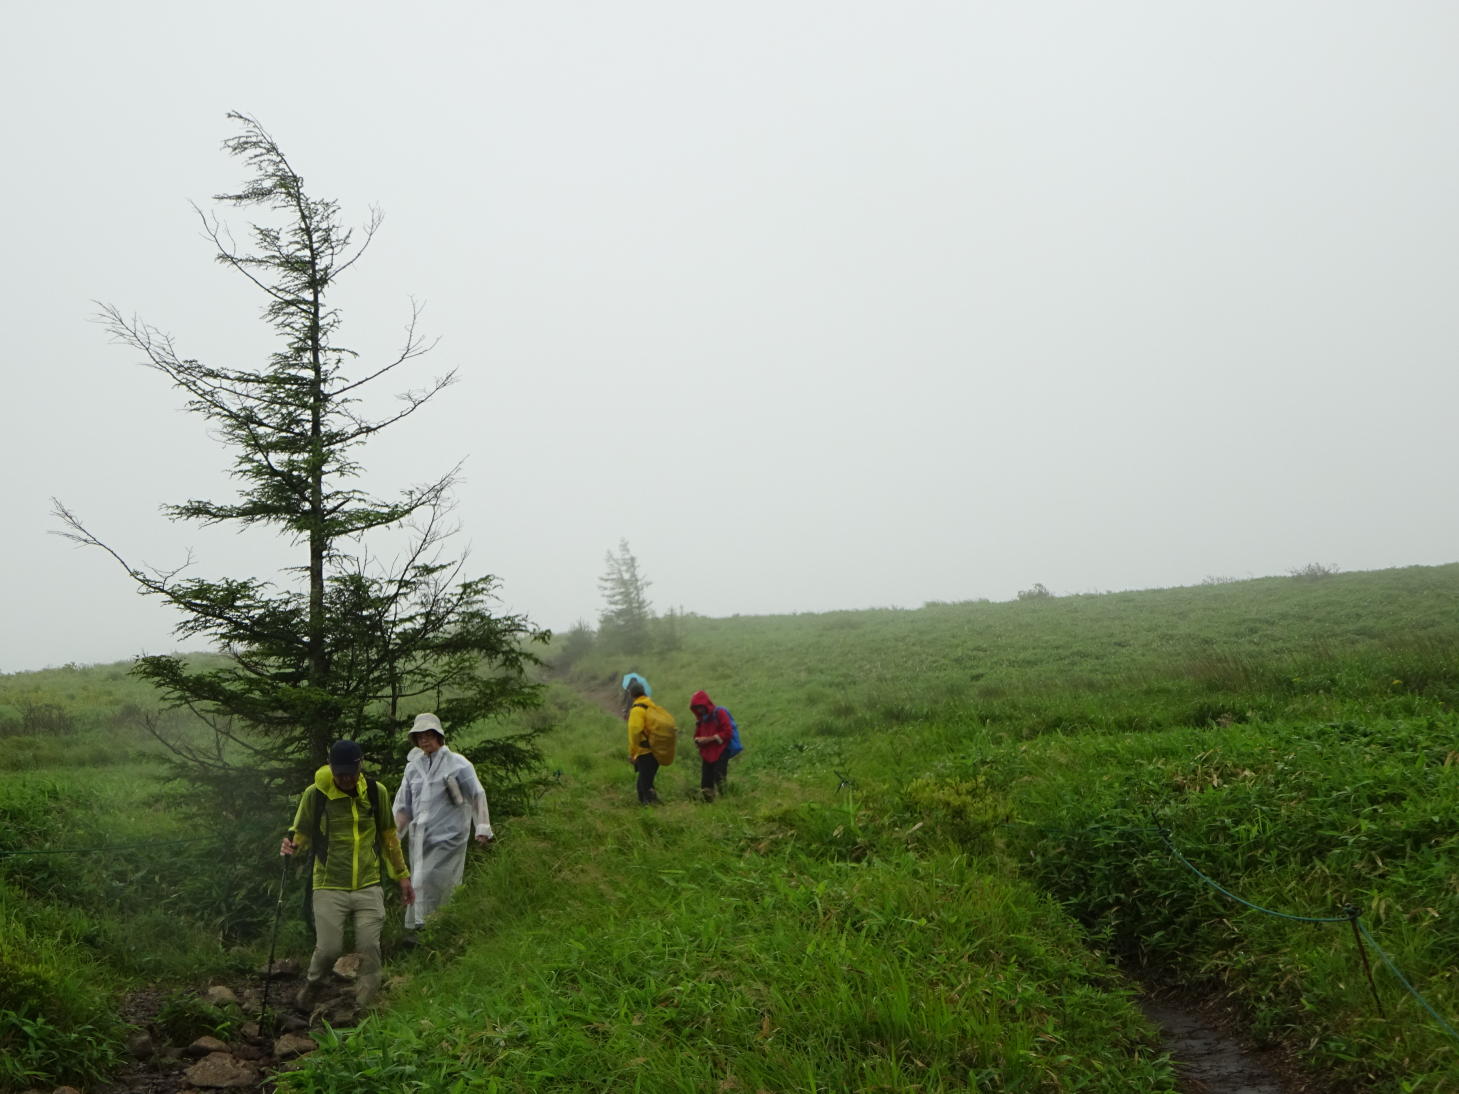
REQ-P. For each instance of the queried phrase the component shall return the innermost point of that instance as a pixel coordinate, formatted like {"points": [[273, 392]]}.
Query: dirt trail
{"points": [[247, 1059], [1208, 1058]]}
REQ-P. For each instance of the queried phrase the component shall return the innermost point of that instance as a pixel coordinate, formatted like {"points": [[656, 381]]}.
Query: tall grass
{"points": [[753, 944], [941, 843], [104, 887]]}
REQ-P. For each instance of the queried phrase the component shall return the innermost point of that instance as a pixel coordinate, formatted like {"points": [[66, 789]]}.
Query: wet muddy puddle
{"points": [[1207, 1058]]}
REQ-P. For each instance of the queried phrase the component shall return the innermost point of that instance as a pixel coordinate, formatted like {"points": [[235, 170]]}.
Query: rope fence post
{"points": [[1352, 913]]}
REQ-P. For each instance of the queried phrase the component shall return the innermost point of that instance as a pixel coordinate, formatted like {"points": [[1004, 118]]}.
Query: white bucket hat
{"points": [[424, 722]]}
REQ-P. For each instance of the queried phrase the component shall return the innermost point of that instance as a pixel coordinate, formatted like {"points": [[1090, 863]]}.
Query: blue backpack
{"points": [[735, 747]]}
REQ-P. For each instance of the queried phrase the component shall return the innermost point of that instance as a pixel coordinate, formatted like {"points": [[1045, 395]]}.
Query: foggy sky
{"points": [[818, 304]]}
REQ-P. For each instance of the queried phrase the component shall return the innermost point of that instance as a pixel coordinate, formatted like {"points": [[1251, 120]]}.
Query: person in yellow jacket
{"points": [[344, 820], [645, 753]]}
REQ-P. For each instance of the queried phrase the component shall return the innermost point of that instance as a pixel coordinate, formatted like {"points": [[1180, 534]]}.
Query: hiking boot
{"points": [[310, 994]]}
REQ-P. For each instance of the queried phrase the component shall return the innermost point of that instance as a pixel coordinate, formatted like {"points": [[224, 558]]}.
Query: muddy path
{"points": [[1210, 1057]]}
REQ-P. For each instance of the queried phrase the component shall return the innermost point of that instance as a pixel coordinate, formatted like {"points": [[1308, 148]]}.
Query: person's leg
{"points": [[653, 774], [706, 779], [441, 868], [368, 906], [330, 909], [721, 773], [648, 767]]}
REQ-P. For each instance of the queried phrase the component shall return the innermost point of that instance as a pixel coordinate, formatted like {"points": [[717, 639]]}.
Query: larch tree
{"points": [[627, 617], [344, 644]]}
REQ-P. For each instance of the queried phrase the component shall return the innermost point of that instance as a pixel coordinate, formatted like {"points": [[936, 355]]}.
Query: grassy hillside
{"points": [[106, 885], [950, 835], [948, 820]]}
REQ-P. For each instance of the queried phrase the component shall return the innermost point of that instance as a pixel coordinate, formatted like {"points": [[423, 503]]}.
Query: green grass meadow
{"points": [[945, 860], [105, 886]]}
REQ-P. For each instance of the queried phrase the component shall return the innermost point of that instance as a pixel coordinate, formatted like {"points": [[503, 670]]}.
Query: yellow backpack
{"points": [[660, 732]]}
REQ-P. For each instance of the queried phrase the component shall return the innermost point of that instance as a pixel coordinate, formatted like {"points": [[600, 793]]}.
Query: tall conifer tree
{"points": [[343, 646]]}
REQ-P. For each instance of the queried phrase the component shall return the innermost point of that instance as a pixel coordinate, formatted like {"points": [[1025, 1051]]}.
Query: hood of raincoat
{"points": [[701, 699], [324, 779]]}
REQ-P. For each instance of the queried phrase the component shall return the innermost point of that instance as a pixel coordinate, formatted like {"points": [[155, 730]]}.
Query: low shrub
{"points": [[57, 1014]]}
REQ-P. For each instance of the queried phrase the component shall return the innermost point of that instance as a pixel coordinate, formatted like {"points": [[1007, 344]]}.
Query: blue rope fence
{"points": [[1165, 838], [1413, 991], [4, 853], [1350, 915]]}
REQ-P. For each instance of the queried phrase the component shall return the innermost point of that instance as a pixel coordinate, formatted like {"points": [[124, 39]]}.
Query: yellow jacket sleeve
{"points": [[299, 831], [637, 731], [390, 838]]}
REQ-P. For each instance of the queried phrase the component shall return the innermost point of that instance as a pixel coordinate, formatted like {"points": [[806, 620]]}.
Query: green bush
{"points": [[57, 1011]]}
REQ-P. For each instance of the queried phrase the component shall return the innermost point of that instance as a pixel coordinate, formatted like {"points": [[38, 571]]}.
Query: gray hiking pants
{"points": [[332, 909]]}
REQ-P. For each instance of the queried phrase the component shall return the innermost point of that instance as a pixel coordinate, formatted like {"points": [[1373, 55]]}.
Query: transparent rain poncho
{"points": [[440, 805]]}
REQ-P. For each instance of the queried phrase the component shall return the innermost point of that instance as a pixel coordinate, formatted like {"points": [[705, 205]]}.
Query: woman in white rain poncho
{"points": [[439, 804]]}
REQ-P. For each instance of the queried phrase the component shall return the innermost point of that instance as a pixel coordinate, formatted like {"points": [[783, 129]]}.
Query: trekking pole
{"points": [[268, 972]]}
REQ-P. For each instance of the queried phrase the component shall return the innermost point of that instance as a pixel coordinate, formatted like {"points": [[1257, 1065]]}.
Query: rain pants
{"points": [[436, 828]]}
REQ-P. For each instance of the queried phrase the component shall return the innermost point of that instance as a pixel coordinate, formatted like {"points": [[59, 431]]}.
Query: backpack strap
{"points": [[318, 845], [382, 810], [646, 703]]}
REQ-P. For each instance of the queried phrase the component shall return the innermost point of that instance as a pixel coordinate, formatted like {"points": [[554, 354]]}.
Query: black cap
{"points": [[345, 757]]}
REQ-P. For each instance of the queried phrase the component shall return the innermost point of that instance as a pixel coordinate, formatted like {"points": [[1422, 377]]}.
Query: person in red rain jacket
{"points": [[712, 731]]}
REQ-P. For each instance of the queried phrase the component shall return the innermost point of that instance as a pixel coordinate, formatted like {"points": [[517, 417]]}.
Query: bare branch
{"points": [[413, 348], [216, 230], [371, 226], [415, 399]]}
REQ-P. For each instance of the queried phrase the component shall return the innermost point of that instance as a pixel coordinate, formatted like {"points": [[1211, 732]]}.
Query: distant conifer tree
{"points": [[627, 614]]}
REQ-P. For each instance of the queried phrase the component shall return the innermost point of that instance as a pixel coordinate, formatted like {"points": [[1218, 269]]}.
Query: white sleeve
{"points": [[403, 797], [479, 807]]}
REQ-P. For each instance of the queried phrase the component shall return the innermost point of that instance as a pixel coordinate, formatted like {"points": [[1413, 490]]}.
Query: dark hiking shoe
{"points": [[310, 994]]}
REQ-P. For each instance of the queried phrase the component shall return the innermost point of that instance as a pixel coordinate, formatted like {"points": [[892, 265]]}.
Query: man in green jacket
{"points": [[344, 820]]}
